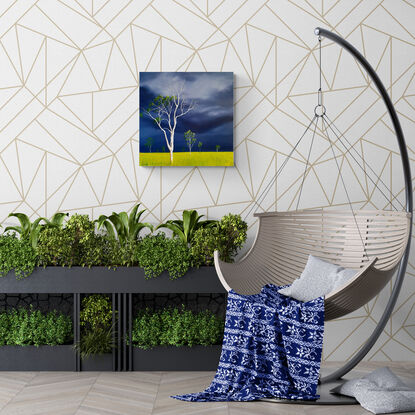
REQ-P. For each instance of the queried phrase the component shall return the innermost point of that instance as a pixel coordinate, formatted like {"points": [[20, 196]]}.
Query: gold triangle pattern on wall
{"points": [[69, 114]]}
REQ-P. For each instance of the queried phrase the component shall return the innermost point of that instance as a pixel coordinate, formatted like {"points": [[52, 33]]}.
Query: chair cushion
{"points": [[318, 279]]}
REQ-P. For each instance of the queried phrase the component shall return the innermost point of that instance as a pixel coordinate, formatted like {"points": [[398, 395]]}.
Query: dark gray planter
{"points": [[102, 280], [97, 363], [183, 358], [28, 358]]}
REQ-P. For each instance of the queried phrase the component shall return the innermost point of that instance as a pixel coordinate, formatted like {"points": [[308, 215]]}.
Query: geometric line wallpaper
{"points": [[69, 116]]}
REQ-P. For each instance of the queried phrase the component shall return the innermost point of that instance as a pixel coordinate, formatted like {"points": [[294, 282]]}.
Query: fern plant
{"points": [[185, 229], [31, 230], [126, 226]]}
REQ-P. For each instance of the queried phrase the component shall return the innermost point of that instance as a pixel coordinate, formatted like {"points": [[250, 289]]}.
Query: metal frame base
{"points": [[326, 398]]}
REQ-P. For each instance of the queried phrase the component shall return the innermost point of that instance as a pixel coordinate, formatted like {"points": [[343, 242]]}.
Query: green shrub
{"points": [[75, 244], [16, 254], [176, 327], [157, 253], [96, 326], [96, 312], [24, 327], [116, 254], [227, 237]]}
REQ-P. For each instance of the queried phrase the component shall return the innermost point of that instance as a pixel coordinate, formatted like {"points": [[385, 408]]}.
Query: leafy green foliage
{"points": [[24, 327], [186, 228], [29, 230], [126, 227], [176, 327], [57, 219], [96, 312], [96, 326], [190, 138], [227, 237], [149, 143], [160, 101], [75, 244], [95, 342], [156, 253], [16, 254]]}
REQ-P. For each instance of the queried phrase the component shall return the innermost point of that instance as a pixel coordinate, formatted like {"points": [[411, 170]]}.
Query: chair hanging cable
{"points": [[257, 202], [339, 135], [344, 185], [306, 166], [319, 93]]}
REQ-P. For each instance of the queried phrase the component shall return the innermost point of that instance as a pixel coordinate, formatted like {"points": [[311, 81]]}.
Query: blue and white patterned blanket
{"points": [[271, 348]]}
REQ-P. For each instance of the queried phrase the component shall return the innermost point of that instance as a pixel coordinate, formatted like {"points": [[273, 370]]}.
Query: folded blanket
{"points": [[380, 392], [271, 348]]}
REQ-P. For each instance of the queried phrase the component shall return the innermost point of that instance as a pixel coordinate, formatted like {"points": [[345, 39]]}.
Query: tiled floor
{"points": [[144, 393]]}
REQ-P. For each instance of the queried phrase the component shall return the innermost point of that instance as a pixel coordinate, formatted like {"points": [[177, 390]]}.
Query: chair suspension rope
{"points": [[344, 185], [262, 196], [306, 166], [339, 135], [319, 93]]}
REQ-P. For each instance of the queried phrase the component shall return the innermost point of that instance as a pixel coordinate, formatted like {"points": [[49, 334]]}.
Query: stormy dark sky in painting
{"points": [[211, 119]]}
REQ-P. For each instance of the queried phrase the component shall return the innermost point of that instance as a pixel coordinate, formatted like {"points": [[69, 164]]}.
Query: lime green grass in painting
{"points": [[197, 158]]}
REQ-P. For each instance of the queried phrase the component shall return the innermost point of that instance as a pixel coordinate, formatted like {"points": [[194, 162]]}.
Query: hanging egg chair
{"points": [[374, 242]]}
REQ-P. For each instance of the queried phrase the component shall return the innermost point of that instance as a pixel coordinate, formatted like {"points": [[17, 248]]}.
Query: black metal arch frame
{"points": [[364, 350]]}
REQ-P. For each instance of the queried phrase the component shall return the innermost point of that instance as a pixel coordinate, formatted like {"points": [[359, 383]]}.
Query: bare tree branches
{"points": [[165, 112]]}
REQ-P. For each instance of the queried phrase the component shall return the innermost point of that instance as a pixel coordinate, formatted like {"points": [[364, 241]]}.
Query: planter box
{"points": [[101, 280], [32, 358], [98, 363], [165, 358]]}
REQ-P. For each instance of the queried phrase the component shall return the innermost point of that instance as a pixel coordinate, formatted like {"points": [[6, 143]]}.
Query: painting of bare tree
{"points": [[181, 111]]}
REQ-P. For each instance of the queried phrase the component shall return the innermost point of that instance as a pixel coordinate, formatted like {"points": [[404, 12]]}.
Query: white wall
{"points": [[69, 113]]}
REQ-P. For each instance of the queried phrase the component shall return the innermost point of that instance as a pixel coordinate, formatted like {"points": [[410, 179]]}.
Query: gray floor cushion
{"points": [[380, 392]]}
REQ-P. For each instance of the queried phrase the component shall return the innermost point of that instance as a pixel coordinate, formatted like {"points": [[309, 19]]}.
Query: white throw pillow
{"points": [[319, 278]]}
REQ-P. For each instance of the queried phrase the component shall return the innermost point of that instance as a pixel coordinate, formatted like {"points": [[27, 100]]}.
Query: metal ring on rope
{"points": [[321, 112]]}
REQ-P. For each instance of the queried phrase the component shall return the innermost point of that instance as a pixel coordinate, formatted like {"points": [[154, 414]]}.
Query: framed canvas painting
{"points": [[186, 119]]}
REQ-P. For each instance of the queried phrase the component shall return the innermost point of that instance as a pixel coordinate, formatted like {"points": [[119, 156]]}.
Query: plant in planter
{"points": [[96, 326], [186, 228], [157, 253], [16, 254], [75, 244], [23, 327], [176, 327], [126, 227], [30, 230], [227, 236]]}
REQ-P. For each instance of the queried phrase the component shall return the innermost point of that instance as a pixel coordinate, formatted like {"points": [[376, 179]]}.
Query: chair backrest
{"points": [[285, 239]]}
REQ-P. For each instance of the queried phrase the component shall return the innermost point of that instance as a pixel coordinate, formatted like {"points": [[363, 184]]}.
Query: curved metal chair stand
{"points": [[285, 239]]}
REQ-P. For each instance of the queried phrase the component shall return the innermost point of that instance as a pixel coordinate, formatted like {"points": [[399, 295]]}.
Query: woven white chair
{"points": [[285, 239], [374, 242]]}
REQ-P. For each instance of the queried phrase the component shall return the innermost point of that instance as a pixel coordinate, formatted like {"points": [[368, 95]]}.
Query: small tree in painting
{"points": [[165, 111], [149, 143], [190, 138], [199, 145], [217, 147]]}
